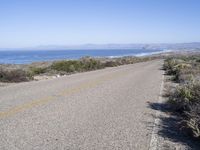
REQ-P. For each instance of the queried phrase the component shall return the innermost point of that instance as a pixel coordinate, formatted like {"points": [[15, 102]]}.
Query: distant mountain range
{"points": [[167, 46]]}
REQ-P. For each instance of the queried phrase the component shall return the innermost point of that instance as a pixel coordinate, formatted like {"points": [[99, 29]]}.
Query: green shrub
{"points": [[91, 64], [111, 64], [17, 75], [181, 98], [37, 70], [66, 66], [77, 65], [186, 100]]}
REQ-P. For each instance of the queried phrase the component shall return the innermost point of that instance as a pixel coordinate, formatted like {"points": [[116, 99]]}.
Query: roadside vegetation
{"points": [[70, 66], [185, 98], [64, 67], [16, 75]]}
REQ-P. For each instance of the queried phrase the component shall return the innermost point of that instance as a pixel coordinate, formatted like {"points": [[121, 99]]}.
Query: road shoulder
{"points": [[166, 134]]}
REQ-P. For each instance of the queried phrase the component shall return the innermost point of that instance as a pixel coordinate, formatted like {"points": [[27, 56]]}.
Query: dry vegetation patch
{"points": [[185, 98], [21, 73]]}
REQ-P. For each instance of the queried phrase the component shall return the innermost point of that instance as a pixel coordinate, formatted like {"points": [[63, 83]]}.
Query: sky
{"points": [[27, 23]]}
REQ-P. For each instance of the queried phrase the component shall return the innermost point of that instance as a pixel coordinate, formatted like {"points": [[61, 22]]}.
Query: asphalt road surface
{"points": [[103, 109]]}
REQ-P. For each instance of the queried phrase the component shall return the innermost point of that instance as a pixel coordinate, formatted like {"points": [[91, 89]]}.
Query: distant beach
{"points": [[30, 56]]}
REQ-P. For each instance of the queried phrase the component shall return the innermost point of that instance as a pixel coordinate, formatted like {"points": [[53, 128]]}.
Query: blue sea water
{"points": [[25, 57]]}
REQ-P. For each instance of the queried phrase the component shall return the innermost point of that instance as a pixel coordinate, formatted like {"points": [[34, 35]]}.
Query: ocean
{"points": [[25, 57]]}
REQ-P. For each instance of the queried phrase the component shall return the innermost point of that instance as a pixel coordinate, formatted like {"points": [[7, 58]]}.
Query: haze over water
{"points": [[24, 57]]}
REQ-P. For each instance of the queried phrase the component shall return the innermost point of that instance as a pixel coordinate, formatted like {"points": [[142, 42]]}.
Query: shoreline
{"points": [[158, 53], [54, 69], [27, 57]]}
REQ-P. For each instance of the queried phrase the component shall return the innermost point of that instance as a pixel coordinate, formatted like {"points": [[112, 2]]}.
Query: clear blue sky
{"points": [[64, 22]]}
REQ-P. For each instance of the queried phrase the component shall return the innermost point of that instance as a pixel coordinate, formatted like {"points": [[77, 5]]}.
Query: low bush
{"points": [[88, 63], [37, 70], [91, 64], [185, 99], [17, 75], [111, 64], [169, 66], [66, 66], [77, 65], [185, 95], [182, 71], [193, 120]]}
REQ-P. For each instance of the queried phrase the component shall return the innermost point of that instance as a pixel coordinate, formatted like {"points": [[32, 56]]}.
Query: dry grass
{"points": [[185, 99]]}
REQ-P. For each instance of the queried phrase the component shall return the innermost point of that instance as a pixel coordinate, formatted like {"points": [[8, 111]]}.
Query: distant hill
{"points": [[174, 46]]}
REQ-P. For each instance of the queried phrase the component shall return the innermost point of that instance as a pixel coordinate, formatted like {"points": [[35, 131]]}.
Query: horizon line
{"points": [[94, 44]]}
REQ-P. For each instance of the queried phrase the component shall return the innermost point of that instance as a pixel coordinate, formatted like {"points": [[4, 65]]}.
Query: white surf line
{"points": [[154, 136]]}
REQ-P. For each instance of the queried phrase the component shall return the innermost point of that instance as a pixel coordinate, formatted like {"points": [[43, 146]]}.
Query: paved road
{"points": [[103, 109]]}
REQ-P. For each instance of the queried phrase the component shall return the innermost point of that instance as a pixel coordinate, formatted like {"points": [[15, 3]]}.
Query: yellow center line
{"points": [[65, 92], [22, 107]]}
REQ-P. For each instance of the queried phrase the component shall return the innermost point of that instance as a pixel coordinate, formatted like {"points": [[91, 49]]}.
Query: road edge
{"points": [[154, 135]]}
